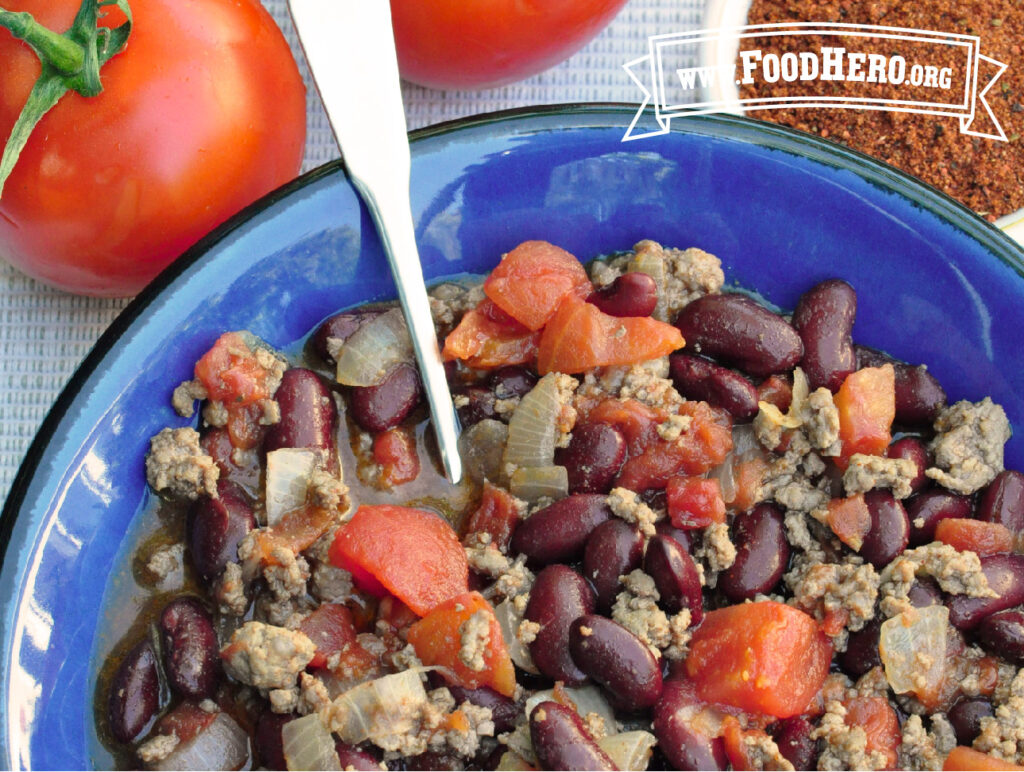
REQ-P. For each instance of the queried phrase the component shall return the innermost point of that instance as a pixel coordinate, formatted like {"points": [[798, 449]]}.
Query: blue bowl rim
{"points": [[617, 115]]}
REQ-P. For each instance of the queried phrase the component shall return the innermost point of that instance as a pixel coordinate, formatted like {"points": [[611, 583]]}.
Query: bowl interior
{"points": [[783, 211]]}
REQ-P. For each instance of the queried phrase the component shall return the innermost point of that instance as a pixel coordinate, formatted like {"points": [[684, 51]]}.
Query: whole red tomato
{"points": [[482, 43], [202, 114]]}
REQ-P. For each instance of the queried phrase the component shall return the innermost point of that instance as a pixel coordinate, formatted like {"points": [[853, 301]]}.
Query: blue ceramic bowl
{"points": [[783, 210]]}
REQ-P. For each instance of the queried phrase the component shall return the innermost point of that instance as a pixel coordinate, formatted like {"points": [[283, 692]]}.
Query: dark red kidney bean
{"points": [[734, 329], [762, 553], [675, 575], [1005, 574], [824, 319], [134, 693], [268, 741], [919, 395], [594, 456], [479, 404], [862, 650], [216, 526], [890, 528], [966, 715], [352, 757], [615, 658], [613, 549], [665, 528], [558, 597], [561, 742], [698, 379], [927, 508], [512, 381], [384, 406], [191, 653], [684, 747], [1003, 501], [1002, 634], [924, 593], [912, 449], [793, 736], [340, 326], [309, 417], [631, 294], [503, 710], [559, 532]]}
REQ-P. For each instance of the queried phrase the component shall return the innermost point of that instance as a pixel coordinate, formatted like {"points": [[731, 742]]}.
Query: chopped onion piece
{"points": [[288, 473], [744, 447], [531, 483], [509, 621], [629, 750], [533, 429], [654, 267], [308, 745], [913, 649], [482, 447], [513, 762], [374, 349], [587, 699], [222, 745], [379, 709]]}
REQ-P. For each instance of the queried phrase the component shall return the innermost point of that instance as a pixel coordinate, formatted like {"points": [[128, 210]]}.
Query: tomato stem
{"points": [[71, 61]]}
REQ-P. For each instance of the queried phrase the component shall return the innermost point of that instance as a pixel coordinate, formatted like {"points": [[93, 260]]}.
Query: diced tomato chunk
{"points": [[878, 720], [395, 451], [775, 390], [694, 502], [295, 531], [438, 639], [185, 721], [484, 343], [581, 337], [738, 751], [748, 474], [396, 613], [230, 372], [333, 631], [970, 760], [497, 516], [762, 657], [850, 520], [979, 536], [412, 554], [532, 280], [867, 406]]}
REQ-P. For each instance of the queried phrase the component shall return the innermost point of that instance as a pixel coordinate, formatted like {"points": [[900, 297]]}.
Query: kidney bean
{"points": [[503, 710], [340, 326], [1003, 501], [824, 319], [665, 528], [268, 741], [559, 532], [675, 575], [353, 757], [890, 528], [216, 526], [734, 329], [681, 743], [384, 406], [912, 449], [618, 660], [631, 294], [919, 395], [559, 596], [926, 509], [478, 405], [191, 653], [309, 416], [762, 553], [793, 736], [512, 381], [134, 693], [862, 650], [1005, 574], [924, 593], [613, 549], [561, 742], [594, 456], [1002, 634], [697, 378], [966, 715]]}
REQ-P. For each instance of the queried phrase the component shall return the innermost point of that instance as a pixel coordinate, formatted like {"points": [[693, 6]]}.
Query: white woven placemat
{"points": [[45, 334]]}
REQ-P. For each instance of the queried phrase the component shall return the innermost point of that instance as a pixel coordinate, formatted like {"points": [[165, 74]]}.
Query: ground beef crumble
{"points": [[1002, 735], [958, 573], [824, 588], [266, 656], [636, 609], [968, 445], [866, 473], [177, 465], [926, 748], [845, 746], [627, 505]]}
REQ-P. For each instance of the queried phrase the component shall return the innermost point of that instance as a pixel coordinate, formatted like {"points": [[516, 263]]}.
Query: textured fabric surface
{"points": [[45, 334]]}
